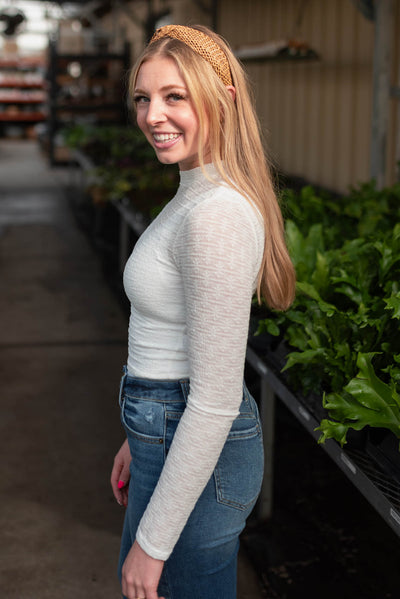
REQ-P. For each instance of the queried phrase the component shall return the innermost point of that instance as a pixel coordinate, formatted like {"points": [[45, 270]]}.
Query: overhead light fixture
{"points": [[13, 19]]}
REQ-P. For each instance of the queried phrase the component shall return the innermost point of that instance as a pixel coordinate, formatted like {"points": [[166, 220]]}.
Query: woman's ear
{"points": [[231, 91]]}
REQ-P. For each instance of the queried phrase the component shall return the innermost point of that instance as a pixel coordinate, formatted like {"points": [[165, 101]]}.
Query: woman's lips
{"points": [[165, 140]]}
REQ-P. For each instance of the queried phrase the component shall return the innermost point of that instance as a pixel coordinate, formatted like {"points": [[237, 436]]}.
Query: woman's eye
{"points": [[140, 99], [175, 97]]}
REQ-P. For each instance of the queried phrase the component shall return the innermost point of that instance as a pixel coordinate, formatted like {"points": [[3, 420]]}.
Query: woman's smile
{"points": [[165, 140]]}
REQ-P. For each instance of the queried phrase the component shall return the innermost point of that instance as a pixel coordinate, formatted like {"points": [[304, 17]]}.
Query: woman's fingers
{"points": [[120, 474], [141, 574]]}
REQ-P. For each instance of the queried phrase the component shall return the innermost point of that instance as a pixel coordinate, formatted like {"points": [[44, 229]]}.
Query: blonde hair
{"points": [[234, 142]]}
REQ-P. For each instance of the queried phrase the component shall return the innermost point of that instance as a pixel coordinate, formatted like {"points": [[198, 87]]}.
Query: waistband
{"points": [[154, 389]]}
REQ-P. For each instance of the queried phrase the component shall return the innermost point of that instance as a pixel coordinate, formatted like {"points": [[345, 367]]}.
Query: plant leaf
{"points": [[366, 400], [311, 291], [305, 357], [393, 303]]}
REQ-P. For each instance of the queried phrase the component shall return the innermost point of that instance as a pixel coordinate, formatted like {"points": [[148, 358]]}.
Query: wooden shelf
{"points": [[21, 63], [15, 83], [21, 117], [17, 99], [22, 91]]}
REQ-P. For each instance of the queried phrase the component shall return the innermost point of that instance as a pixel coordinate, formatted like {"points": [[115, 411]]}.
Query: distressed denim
{"points": [[203, 563]]}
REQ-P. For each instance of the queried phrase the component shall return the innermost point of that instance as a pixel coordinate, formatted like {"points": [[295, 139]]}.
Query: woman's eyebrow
{"points": [[164, 88]]}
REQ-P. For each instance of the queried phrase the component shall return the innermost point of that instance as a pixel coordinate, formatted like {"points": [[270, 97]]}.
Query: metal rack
{"points": [[22, 91], [380, 490], [108, 108]]}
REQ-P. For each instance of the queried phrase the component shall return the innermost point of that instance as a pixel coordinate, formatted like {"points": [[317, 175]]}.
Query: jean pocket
{"points": [[247, 424], [239, 472], [143, 419]]}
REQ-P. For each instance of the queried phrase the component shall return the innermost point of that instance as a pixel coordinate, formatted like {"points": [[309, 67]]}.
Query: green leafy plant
{"points": [[346, 314], [365, 400]]}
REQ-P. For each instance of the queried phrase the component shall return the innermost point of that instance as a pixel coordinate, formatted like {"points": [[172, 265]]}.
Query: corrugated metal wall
{"points": [[317, 114], [393, 167]]}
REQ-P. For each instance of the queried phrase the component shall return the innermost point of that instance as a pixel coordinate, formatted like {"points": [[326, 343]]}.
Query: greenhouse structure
{"points": [[80, 185]]}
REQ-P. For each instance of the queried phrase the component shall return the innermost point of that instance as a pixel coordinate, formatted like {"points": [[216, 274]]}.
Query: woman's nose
{"points": [[155, 112]]}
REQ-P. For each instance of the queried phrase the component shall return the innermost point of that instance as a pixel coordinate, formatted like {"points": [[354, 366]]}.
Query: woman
{"points": [[193, 455]]}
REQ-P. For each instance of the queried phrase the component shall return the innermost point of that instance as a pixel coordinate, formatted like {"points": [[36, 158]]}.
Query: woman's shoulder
{"points": [[221, 226], [224, 205]]}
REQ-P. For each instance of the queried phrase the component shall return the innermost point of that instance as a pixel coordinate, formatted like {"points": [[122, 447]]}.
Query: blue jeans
{"points": [[203, 563]]}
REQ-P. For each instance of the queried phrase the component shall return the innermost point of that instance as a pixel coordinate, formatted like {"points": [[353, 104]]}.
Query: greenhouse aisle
{"points": [[63, 341]]}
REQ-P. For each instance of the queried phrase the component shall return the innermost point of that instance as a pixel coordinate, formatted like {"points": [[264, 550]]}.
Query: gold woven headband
{"points": [[202, 44]]}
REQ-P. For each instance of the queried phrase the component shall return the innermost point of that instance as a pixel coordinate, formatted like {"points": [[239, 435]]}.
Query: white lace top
{"points": [[190, 280]]}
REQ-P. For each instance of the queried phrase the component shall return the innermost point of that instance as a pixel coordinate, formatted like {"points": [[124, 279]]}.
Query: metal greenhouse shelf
{"points": [[380, 489]]}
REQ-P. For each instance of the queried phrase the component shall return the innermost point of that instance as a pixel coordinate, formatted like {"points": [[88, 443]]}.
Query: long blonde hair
{"points": [[234, 142]]}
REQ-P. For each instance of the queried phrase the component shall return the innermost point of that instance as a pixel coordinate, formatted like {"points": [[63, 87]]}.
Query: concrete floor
{"points": [[62, 344]]}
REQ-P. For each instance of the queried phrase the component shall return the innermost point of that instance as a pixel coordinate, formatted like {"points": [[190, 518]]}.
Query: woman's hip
{"points": [[150, 413]]}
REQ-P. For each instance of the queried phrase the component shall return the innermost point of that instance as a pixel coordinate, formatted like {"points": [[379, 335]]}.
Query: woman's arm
{"points": [[218, 252]]}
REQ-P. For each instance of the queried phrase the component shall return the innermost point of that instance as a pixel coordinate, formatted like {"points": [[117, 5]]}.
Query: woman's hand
{"points": [[141, 574], [120, 474]]}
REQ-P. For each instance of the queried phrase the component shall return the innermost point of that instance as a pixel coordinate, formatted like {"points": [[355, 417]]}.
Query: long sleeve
{"points": [[217, 250]]}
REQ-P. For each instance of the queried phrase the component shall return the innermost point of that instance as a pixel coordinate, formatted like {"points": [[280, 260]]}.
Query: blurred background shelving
{"points": [[23, 96], [84, 86]]}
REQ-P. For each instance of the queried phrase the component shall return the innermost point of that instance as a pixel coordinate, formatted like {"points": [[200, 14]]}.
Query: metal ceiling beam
{"points": [[366, 7]]}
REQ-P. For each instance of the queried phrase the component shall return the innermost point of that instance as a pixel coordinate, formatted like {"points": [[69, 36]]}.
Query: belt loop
{"points": [[121, 386], [185, 386], [245, 392]]}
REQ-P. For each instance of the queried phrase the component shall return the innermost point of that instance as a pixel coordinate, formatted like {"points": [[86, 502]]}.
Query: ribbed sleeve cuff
{"points": [[149, 549]]}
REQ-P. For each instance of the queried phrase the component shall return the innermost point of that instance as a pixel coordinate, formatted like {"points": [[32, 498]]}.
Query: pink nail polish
{"points": [[121, 483]]}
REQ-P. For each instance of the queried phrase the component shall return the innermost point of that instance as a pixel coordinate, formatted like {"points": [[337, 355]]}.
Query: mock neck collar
{"points": [[195, 175]]}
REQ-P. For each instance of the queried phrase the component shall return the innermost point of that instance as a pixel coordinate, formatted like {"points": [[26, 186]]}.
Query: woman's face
{"points": [[165, 113]]}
